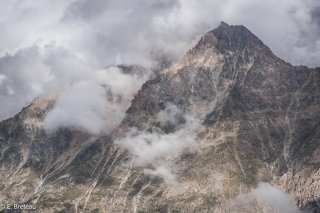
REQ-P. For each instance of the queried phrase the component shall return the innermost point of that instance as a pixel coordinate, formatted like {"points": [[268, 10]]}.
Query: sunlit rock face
{"points": [[229, 115]]}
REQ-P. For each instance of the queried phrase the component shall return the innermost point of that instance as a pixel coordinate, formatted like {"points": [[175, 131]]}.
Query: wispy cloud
{"points": [[158, 150]]}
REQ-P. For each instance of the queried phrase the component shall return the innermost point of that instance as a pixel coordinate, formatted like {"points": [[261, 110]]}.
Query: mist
{"points": [[275, 197], [158, 151], [264, 198]]}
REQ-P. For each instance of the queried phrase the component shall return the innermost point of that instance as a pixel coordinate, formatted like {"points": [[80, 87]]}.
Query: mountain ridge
{"points": [[260, 120]]}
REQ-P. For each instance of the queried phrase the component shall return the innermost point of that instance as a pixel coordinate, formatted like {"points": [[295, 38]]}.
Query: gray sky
{"points": [[45, 46]]}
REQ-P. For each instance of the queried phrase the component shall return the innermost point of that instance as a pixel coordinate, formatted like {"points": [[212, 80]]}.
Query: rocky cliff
{"points": [[258, 118]]}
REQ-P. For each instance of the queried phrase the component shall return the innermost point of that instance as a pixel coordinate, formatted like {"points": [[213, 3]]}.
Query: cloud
{"points": [[22, 78], [123, 85], [275, 197], [157, 149], [2, 78], [83, 106], [164, 171], [315, 15], [68, 39], [264, 198], [95, 105], [170, 114]]}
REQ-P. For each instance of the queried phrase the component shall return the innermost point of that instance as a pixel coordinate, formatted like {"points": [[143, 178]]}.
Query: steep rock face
{"points": [[261, 124], [262, 109]]}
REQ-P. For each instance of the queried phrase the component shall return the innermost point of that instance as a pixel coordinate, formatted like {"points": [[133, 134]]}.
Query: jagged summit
{"points": [[222, 23], [234, 38], [223, 46]]}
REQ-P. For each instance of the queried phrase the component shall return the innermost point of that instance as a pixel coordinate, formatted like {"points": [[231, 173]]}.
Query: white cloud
{"points": [[25, 75], [170, 114], [97, 104], [2, 78], [264, 198], [83, 106], [165, 171], [120, 84], [157, 149], [275, 197]]}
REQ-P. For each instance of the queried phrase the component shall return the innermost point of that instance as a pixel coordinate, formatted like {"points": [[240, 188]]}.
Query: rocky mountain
{"points": [[258, 122]]}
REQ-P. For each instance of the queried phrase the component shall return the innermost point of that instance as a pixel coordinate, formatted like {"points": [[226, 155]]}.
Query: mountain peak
{"points": [[224, 41], [236, 38], [224, 24], [224, 118], [233, 38]]}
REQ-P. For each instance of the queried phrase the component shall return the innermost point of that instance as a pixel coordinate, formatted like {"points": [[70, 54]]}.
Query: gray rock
{"points": [[261, 123]]}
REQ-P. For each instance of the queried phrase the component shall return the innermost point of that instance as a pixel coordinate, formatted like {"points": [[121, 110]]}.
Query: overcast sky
{"points": [[47, 45]]}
